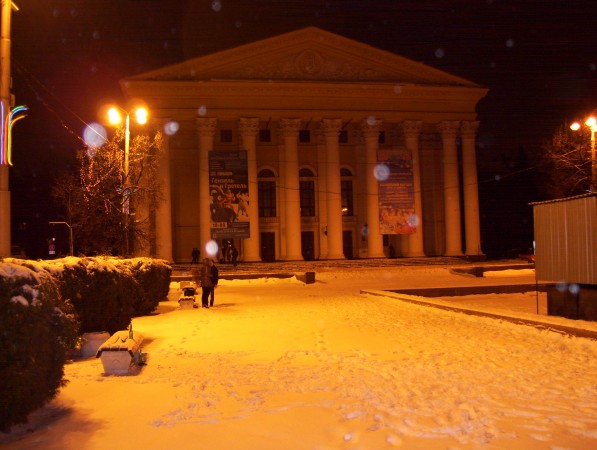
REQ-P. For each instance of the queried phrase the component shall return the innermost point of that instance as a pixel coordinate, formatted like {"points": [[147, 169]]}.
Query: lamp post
{"points": [[115, 116], [591, 123], [70, 235]]}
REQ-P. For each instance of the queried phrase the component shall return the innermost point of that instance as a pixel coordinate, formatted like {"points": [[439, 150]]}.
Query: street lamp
{"points": [[70, 235], [591, 123], [115, 117]]}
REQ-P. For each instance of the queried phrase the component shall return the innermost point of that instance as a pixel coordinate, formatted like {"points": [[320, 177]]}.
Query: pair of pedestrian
{"points": [[207, 278]]}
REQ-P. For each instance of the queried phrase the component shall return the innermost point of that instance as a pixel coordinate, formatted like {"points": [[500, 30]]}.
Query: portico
{"points": [[313, 110]]}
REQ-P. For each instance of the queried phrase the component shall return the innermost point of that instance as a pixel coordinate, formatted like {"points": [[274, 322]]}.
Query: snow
{"points": [[282, 364]]}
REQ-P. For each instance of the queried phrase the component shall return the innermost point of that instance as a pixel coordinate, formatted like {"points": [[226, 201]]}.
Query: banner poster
{"points": [[396, 192], [229, 194]]}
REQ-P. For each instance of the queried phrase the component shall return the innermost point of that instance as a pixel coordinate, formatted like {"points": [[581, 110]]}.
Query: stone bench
{"points": [[187, 298], [118, 351]]}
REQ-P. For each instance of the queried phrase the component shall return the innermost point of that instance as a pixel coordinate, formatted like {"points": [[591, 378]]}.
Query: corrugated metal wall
{"points": [[566, 239]]}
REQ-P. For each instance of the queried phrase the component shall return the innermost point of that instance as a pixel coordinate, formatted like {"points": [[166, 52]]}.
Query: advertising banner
{"points": [[229, 194], [396, 192]]}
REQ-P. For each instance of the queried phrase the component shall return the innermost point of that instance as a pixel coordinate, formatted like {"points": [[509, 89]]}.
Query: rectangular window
{"points": [[225, 135], [267, 198], [343, 137], [307, 195], [304, 136], [346, 197], [265, 136]]}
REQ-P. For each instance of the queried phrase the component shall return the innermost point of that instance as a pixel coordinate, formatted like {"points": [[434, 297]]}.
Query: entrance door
{"points": [[308, 245], [268, 246], [347, 244]]}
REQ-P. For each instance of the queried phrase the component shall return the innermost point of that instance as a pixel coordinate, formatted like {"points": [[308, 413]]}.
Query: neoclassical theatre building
{"points": [[309, 145]]}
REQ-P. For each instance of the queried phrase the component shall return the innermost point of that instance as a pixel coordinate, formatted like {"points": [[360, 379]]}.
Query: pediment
{"points": [[308, 54]]}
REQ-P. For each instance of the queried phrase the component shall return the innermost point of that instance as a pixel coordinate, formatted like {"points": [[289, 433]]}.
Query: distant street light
{"points": [[70, 236], [591, 123], [115, 116]]}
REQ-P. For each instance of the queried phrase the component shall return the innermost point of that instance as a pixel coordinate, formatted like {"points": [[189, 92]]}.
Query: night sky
{"points": [[538, 58]]}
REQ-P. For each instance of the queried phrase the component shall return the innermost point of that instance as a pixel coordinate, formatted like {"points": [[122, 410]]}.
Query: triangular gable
{"points": [[308, 54]]}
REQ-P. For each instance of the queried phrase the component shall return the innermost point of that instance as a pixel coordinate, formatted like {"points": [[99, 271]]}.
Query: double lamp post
{"points": [[116, 115]]}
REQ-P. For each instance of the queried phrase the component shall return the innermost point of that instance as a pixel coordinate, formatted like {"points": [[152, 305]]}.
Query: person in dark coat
{"points": [[234, 256], [195, 255], [214, 275], [206, 284]]}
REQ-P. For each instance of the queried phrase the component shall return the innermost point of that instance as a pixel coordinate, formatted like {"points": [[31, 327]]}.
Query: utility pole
{"points": [[5, 82]]}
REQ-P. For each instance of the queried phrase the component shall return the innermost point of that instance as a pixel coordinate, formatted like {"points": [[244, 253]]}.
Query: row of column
{"points": [[289, 130]]}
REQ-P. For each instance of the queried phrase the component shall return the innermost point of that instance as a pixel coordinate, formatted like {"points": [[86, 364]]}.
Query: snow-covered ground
{"points": [[278, 364]]}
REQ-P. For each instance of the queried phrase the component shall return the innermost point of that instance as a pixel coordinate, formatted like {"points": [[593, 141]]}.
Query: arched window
{"points": [[307, 192], [266, 191], [346, 191]]}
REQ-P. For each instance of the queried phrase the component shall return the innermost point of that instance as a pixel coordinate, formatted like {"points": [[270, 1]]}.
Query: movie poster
{"points": [[396, 192], [229, 194]]}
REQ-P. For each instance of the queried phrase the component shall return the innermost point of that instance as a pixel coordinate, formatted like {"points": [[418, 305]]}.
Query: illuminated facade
{"points": [[315, 113]]}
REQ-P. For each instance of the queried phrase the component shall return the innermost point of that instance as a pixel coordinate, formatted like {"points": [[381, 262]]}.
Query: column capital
{"points": [[206, 126], [411, 127], [469, 128], [248, 126], [331, 127], [289, 127], [371, 127], [449, 128]]}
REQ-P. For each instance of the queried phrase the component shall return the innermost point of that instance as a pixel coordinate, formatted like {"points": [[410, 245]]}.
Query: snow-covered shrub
{"points": [[102, 293], [153, 280], [37, 332]]}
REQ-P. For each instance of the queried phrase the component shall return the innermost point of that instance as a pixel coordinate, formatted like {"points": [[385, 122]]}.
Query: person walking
{"points": [[206, 284], [214, 275]]}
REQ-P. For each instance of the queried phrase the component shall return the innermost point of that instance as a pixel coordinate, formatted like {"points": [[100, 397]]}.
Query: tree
{"points": [[567, 162], [108, 211]]}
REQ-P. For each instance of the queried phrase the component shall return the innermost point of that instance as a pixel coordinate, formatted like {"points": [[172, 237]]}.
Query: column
{"points": [[331, 130], [451, 188], [289, 129], [249, 128], [206, 128], [411, 130], [5, 243], [471, 189], [163, 211], [370, 129]]}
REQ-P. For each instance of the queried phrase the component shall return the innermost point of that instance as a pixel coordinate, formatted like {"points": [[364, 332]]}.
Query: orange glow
{"points": [[141, 114], [114, 116], [591, 121]]}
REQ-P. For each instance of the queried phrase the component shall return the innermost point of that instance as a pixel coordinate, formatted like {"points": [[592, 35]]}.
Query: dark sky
{"points": [[537, 57]]}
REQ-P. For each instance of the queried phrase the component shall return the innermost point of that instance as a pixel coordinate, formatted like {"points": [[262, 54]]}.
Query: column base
{"points": [[376, 255], [416, 255], [337, 256], [294, 258], [252, 259], [455, 254]]}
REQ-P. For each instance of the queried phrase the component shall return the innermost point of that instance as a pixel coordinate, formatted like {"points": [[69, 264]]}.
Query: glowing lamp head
{"points": [[141, 115], [114, 116], [591, 122], [575, 126]]}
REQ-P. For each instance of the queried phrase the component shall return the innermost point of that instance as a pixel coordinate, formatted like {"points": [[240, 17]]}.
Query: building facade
{"points": [[313, 114]]}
